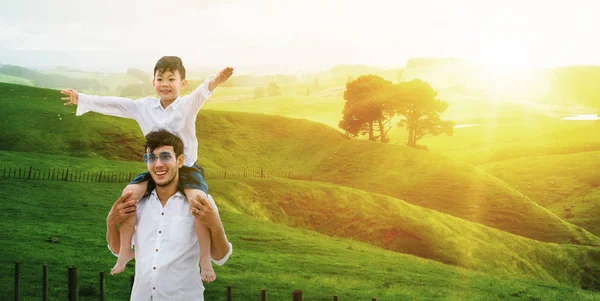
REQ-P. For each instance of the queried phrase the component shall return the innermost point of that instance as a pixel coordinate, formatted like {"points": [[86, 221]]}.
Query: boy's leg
{"points": [[126, 229], [207, 273]]}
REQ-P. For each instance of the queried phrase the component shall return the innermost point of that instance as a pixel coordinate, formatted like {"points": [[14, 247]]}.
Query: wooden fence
{"points": [[73, 292], [78, 175]]}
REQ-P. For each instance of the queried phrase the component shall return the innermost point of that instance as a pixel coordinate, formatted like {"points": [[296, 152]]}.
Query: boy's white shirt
{"points": [[178, 118]]}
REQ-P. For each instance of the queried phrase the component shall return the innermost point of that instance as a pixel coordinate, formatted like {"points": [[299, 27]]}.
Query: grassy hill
{"points": [[435, 182], [568, 185], [237, 141], [399, 226], [40, 131], [266, 255]]}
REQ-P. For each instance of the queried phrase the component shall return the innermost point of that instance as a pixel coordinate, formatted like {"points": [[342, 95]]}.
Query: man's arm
{"points": [[208, 215], [121, 210]]}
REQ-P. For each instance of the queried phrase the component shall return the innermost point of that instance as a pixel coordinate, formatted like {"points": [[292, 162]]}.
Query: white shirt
{"points": [[178, 118], [167, 251]]}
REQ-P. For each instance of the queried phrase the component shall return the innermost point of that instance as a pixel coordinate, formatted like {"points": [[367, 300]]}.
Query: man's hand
{"points": [[73, 98], [221, 77], [204, 213], [121, 209]]}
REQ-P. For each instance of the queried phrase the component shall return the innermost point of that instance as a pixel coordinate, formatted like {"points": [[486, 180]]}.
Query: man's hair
{"points": [[169, 63], [162, 137]]}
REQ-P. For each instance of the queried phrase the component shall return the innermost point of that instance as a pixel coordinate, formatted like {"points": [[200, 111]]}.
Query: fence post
{"points": [[101, 286], [73, 283], [100, 177], [131, 280], [29, 175], [229, 293], [297, 295], [262, 173], [66, 175], [263, 295], [45, 283], [17, 281], [373, 299], [335, 298]]}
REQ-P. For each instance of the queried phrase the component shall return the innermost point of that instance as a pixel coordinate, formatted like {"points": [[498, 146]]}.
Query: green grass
{"points": [[438, 183], [35, 135], [567, 185], [236, 141], [266, 255], [399, 226]]}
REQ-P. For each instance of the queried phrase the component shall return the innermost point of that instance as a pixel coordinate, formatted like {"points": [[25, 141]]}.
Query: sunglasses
{"points": [[163, 156]]}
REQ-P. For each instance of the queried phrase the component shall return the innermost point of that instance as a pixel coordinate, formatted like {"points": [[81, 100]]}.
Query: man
{"points": [[166, 247]]}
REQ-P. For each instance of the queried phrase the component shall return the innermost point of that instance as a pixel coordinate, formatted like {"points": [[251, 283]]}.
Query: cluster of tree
{"points": [[52, 80], [372, 102], [251, 80], [136, 90], [272, 89], [575, 85]]}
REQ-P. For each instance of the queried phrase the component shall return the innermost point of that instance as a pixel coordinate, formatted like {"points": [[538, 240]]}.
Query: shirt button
{"points": [[159, 232], [162, 213], [156, 250], [154, 288], [154, 268]]}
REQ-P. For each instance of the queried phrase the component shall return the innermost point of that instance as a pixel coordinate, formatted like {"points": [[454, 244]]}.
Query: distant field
{"points": [[15, 80]]}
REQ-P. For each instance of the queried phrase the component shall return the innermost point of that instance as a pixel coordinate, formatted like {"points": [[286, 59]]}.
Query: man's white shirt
{"points": [[167, 253], [178, 118]]}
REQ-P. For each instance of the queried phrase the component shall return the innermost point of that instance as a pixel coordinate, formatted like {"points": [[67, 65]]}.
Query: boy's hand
{"points": [[221, 77], [73, 98]]}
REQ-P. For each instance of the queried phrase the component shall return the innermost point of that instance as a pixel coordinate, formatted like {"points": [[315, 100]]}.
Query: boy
{"points": [[169, 112]]}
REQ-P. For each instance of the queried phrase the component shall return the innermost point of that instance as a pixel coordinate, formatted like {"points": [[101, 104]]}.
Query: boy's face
{"points": [[168, 85]]}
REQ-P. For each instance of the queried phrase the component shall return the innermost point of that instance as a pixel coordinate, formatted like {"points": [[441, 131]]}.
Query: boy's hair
{"points": [[169, 63], [162, 137]]}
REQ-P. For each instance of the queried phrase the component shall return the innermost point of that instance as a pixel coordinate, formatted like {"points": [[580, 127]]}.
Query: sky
{"points": [[113, 35]]}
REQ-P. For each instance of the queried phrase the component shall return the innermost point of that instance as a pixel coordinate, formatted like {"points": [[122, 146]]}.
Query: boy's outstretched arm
{"points": [[107, 105], [73, 97], [220, 78], [199, 96]]}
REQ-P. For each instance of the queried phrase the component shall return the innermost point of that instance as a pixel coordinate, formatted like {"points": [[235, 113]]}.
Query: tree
{"points": [[367, 107], [273, 89], [417, 102], [141, 75], [259, 92]]}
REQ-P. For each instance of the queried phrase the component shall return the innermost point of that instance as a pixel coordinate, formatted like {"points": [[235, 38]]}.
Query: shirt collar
{"points": [[179, 193], [156, 103]]}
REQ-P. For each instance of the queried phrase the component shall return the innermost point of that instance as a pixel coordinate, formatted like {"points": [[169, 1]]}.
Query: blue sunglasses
{"points": [[163, 156]]}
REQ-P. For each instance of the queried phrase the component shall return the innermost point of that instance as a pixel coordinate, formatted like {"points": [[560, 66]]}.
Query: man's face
{"points": [[168, 85], [163, 165]]}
